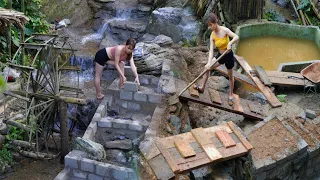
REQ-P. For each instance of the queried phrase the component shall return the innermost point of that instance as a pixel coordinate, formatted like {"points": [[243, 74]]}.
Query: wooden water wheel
{"points": [[44, 107]]}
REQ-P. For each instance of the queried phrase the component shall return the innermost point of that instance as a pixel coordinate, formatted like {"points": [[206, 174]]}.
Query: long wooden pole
{"points": [[63, 118], [223, 54], [9, 31]]}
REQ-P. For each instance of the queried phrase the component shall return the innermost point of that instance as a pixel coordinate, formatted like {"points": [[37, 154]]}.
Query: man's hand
{"points": [[136, 80]]}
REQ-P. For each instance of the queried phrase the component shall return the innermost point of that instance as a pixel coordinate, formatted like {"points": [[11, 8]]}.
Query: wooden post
{"points": [[9, 31], [63, 118], [22, 34], [259, 10]]}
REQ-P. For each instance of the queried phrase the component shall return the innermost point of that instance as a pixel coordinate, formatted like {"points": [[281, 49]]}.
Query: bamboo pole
{"points": [[301, 14], [18, 125], [206, 70], [9, 31], [295, 10]]}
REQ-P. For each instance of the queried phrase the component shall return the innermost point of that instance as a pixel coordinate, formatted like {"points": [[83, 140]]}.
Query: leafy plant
{"points": [[5, 155], [281, 97], [14, 133], [305, 5], [273, 15]]}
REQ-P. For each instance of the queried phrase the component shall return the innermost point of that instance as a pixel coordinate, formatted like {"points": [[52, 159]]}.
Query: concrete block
{"points": [[310, 114], [96, 117], [88, 134], [101, 109], [134, 106], [144, 80], [121, 124], [154, 80], [87, 165], [128, 71], [130, 86], [135, 126], [261, 175], [94, 177], [93, 126], [103, 169], [302, 146], [270, 163], [259, 166], [80, 174], [119, 173], [154, 98], [139, 96], [63, 175], [71, 162], [267, 119], [107, 100], [125, 95], [122, 103], [105, 122]]}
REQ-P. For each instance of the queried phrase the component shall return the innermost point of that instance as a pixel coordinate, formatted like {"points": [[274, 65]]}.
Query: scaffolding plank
{"points": [[263, 75], [215, 96], [272, 99], [225, 138], [185, 149], [242, 139]]}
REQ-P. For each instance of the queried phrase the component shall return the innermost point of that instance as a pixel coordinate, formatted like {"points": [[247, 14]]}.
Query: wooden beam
{"points": [[20, 66], [263, 75], [193, 92], [185, 149], [237, 76], [70, 68], [72, 89], [242, 139], [272, 99], [225, 138]]}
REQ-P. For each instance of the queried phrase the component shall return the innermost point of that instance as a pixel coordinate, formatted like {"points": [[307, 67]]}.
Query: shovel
{"points": [[223, 54]]}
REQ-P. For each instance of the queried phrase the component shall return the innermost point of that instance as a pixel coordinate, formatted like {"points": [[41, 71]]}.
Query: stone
{"points": [[3, 128], [116, 155], [173, 108], [2, 139], [139, 96], [310, 114], [94, 150], [79, 174], [103, 169], [176, 122], [166, 67], [148, 2], [119, 144], [71, 162], [87, 165], [94, 177], [162, 40], [167, 85], [202, 173]]}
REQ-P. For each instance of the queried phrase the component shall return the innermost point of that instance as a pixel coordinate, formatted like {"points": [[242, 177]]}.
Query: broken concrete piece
{"points": [[119, 144]]}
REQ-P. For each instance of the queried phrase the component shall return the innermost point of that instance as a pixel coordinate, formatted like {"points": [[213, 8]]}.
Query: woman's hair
{"points": [[131, 42], [213, 18]]}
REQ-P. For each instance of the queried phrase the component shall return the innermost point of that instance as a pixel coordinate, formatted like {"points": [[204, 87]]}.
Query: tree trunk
{"points": [[63, 118]]}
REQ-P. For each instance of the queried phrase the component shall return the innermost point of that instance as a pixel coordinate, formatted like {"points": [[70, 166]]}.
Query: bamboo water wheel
{"points": [[44, 107]]}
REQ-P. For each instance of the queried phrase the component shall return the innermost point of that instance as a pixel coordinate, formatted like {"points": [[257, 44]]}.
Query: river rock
{"points": [[95, 150], [3, 128], [123, 29], [162, 40], [119, 144]]}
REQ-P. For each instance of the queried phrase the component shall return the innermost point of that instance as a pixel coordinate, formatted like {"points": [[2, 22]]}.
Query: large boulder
{"points": [[127, 29], [94, 150], [148, 2]]}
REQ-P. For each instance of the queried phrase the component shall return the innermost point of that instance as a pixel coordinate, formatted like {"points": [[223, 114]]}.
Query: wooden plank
{"points": [[201, 136], [287, 78], [198, 156], [167, 156], [194, 164], [263, 75], [168, 142], [193, 92], [242, 139], [212, 152], [233, 152], [160, 167], [185, 149], [237, 106], [272, 99], [237, 76], [215, 96], [212, 130], [225, 138]]}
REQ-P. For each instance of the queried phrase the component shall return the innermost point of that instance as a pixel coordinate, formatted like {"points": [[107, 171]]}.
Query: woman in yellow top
{"points": [[220, 38]]}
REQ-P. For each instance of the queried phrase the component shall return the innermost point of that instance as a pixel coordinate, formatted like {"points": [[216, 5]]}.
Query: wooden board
{"points": [[167, 156], [193, 92], [225, 138], [215, 96], [201, 136], [185, 149], [272, 99], [237, 76], [263, 75], [237, 105], [287, 78], [243, 140], [212, 152]]}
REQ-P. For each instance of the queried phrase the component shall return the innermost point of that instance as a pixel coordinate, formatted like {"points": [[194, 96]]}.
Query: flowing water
{"points": [[270, 51]]}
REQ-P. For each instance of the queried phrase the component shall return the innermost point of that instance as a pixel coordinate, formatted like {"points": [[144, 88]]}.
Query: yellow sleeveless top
{"points": [[221, 43]]}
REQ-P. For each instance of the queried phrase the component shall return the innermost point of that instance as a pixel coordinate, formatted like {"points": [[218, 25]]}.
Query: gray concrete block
{"points": [[259, 166], [63, 175], [103, 169], [135, 126], [270, 163], [125, 95], [93, 126], [71, 162], [122, 103], [119, 173], [88, 134], [107, 100], [154, 80], [154, 98], [139, 96], [101, 109], [130, 86], [121, 124], [87, 165], [144, 80], [128, 71], [96, 117], [80, 174], [134, 106], [94, 177], [105, 122]]}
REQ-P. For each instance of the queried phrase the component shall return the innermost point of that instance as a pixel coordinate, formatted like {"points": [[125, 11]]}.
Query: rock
{"points": [[176, 122], [116, 155], [2, 139], [144, 8], [202, 173], [310, 114], [188, 56], [95, 150], [167, 85], [148, 2], [106, 0], [220, 83], [3, 129], [124, 29], [283, 3], [148, 37], [119, 144], [162, 40], [173, 108]]}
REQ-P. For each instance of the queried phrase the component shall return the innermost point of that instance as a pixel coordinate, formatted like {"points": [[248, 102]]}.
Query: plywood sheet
{"points": [[185, 149], [225, 138], [215, 96]]}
